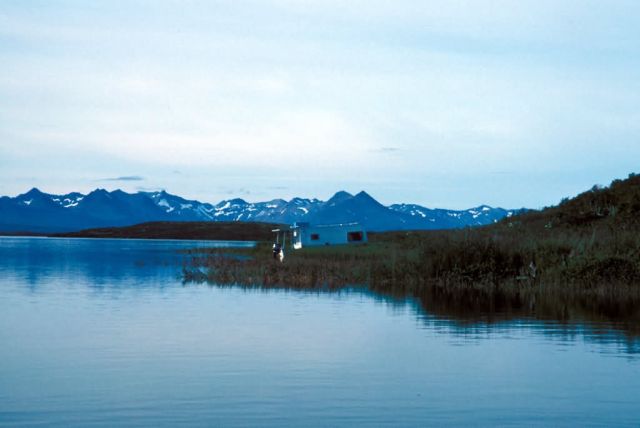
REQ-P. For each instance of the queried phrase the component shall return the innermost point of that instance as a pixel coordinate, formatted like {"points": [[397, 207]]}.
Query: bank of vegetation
{"points": [[585, 249], [205, 230]]}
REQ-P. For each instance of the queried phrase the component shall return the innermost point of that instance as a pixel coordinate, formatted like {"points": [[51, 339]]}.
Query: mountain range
{"points": [[40, 212]]}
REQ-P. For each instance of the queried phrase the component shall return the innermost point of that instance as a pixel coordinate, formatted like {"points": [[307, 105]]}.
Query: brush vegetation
{"points": [[586, 250]]}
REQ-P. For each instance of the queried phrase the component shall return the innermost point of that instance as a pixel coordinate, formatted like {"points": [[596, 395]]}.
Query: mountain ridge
{"points": [[37, 211]]}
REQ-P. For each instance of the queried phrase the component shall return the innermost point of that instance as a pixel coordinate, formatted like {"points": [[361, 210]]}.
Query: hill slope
{"points": [[582, 256], [593, 238]]}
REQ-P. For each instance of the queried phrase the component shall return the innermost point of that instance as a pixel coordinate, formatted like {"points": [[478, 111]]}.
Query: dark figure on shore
{"points": [[277, 249]]}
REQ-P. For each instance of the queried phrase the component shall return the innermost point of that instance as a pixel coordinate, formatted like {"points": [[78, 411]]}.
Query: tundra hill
{"points": [[590, 240], [581, 256], [616, 206]]}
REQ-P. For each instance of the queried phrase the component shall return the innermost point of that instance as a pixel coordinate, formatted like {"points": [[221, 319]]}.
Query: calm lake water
{"points": [[103, 332]]}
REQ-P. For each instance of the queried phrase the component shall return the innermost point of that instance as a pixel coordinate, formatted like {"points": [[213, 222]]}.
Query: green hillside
{"points": [[582, 254], [592, 240]]}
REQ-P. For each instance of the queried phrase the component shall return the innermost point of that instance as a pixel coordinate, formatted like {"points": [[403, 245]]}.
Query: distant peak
{"points": [[339, 197], [33, 191], [301, 201], [237, 201], [98, 192], [483, 208], [364, 197], [155, 193], [362, 194], [277, 201]]}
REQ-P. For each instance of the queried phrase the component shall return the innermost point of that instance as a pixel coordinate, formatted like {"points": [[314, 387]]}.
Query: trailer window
{"points": [[355, 236], [315, 237]]}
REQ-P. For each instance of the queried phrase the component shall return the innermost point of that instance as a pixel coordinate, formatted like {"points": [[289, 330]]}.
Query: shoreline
{"points": [[198, 231], [436, 265], [253, 243]]}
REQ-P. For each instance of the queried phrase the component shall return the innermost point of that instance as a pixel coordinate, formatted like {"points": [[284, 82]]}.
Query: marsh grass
{"points": [[583, 255], [489, 259], [467, 294]]}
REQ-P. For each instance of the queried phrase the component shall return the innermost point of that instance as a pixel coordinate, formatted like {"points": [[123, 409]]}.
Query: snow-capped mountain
{"points": [[451, 219], [36, 211], [179, 208]]}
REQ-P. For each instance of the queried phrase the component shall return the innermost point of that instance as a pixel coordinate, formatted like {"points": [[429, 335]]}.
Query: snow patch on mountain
{"points": [[37, 211]]}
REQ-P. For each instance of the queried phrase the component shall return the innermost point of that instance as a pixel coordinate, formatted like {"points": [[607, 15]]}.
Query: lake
{"points": [[104, 333]]}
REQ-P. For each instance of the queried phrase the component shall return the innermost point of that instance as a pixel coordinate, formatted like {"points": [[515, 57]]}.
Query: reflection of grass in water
{"points": [[583, 253], [375, 267], [473, 271], [398, 275]]}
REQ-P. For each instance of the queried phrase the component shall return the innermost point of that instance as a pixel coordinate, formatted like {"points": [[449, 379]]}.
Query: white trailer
{"points": [[307, 235]]}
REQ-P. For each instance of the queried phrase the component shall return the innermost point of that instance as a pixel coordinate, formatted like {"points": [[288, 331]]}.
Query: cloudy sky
{"points": [[447, 104]]}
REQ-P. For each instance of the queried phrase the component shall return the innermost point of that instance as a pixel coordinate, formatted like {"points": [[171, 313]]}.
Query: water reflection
{"points": [[562, 319], [103, 333], [101, 263], [109, 267]]}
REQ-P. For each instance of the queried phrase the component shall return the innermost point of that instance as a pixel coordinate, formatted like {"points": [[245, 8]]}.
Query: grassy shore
{"points": [[487, 259], [459, 283], [585, 250]]}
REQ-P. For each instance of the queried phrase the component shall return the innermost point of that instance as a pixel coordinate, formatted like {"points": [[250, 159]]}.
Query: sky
{"points": [[448, 104]]}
